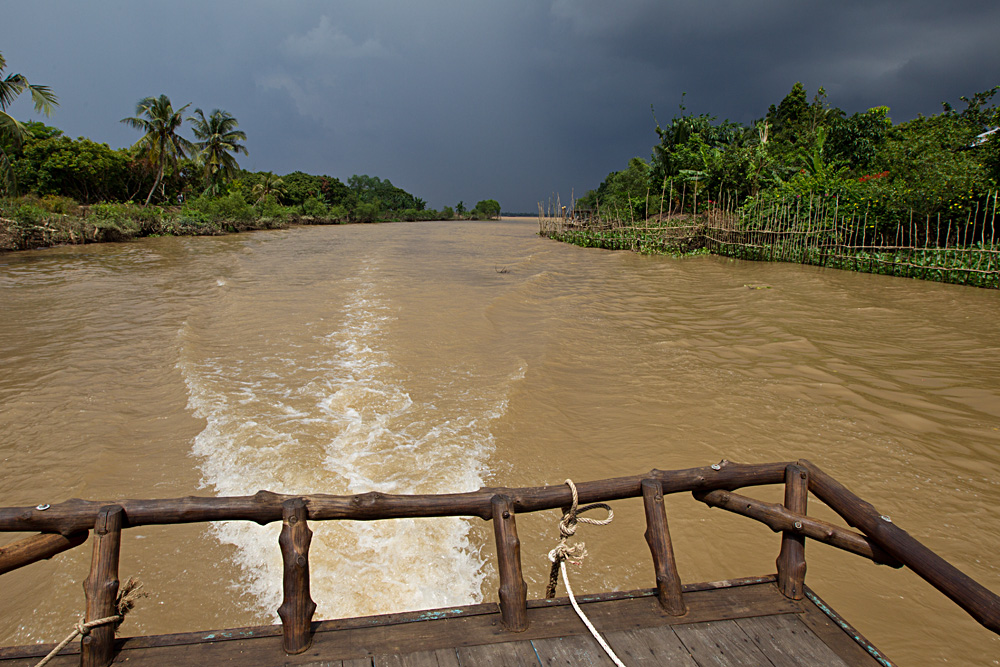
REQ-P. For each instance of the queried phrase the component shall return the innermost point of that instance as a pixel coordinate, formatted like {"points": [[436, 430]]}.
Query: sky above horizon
{"points": [[513, 100]]}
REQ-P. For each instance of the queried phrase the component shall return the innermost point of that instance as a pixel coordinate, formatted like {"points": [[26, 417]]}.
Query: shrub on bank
{"points": [[25, 223], [315, 207]]}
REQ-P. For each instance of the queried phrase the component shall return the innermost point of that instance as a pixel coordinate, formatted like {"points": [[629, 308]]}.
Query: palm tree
{"points": [[218, 138], [10, 129], [271, 185], [155, 116]]}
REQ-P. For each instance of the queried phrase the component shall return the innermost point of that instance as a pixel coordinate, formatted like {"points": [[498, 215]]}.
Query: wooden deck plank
{"points": [[649, 646], [571, 651], [831, 634], [438, 658], [788, 642], [634, 623], [507, 654], [720, 644]]}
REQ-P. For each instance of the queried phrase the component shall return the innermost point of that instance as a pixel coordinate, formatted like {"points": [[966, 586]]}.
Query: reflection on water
{"points": [[398, 358]]}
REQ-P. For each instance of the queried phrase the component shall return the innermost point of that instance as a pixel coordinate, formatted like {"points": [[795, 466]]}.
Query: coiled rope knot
{"points": [[567, 528], [85, 628]]}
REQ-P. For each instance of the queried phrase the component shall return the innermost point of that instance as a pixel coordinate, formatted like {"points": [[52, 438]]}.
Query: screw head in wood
{"points": [[798, 525], [506, 515], [716, 466], [885, 518], [43, 507]]}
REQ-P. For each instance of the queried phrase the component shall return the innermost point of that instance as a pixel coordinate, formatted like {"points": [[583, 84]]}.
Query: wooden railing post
{"points": [[792, 557], [97, 648], [297, 607], [668, 581], [513, 592]]}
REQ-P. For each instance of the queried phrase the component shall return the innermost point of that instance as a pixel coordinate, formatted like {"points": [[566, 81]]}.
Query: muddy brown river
{"points": [[438, 357]]}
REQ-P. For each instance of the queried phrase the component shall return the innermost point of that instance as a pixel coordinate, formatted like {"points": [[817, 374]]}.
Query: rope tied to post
{"points": [[567, 529], [127, 596], [564, 552]]}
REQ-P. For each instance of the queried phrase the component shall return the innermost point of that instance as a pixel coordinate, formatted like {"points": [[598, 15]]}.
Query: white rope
{"points": [[558, 556], [586, 621], [125, 601], [80, 629]]}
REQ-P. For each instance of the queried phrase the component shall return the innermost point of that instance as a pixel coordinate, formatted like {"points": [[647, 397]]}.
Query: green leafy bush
{"points": [[60, 205], [315, 207], [339, 213], [366, 212]]}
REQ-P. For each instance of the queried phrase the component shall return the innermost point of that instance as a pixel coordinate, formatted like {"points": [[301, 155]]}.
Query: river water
{"points": [[441, 357]]}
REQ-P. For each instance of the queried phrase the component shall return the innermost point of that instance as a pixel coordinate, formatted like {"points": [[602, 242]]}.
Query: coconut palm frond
{"points": [[160, 143]]}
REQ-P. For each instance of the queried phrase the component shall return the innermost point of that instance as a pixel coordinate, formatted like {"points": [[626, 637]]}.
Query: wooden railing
{"points": [[67, 525]]}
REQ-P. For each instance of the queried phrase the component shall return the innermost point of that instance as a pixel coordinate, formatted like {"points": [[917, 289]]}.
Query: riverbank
{"points": [[28, 227], [54, 230], [965, 252], [29, 223]]}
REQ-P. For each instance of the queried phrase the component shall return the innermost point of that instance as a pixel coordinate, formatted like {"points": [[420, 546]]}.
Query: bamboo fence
{"points": [[813, 230]]}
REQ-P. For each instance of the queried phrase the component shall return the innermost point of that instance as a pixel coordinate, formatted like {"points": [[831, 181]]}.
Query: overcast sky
{"points": [[467, 99]]}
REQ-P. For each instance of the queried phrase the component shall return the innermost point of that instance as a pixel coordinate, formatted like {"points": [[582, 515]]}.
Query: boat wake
{"points": [[329, 412]]}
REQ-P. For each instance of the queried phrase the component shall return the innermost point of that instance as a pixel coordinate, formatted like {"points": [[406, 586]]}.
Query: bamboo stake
{"points": [[668, 581], [993, 219], [662, 192]]}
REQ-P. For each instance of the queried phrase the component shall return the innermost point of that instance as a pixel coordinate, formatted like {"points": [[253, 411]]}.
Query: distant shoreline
{"points": [[62, 230]]}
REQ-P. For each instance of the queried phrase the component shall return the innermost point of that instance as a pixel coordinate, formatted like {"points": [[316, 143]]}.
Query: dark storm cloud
{"points": [[513, 100]]}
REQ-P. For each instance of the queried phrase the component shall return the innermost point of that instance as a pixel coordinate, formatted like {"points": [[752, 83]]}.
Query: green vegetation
{"points": [[809, 183], [926, 166], [55, 189], [12, 132], [488, 209], [160, 143], [218, 137]]}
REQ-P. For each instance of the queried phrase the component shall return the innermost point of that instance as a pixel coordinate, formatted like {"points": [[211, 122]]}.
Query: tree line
{"points": [[942, 166], [183, 185]]}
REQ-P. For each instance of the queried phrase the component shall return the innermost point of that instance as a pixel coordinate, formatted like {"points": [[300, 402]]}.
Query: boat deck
{"points": [[743, 622]]}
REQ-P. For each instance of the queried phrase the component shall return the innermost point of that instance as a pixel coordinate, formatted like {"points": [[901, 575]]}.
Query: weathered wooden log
{"points": [[37, 547], [668, 581], [513, 591], [981, 603], [297, 607], [264, 507], [101, 587], [778, 518], [791, 560]]}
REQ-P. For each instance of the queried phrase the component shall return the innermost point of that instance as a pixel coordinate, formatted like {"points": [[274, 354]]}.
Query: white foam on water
{"points": [[336, 419]]}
